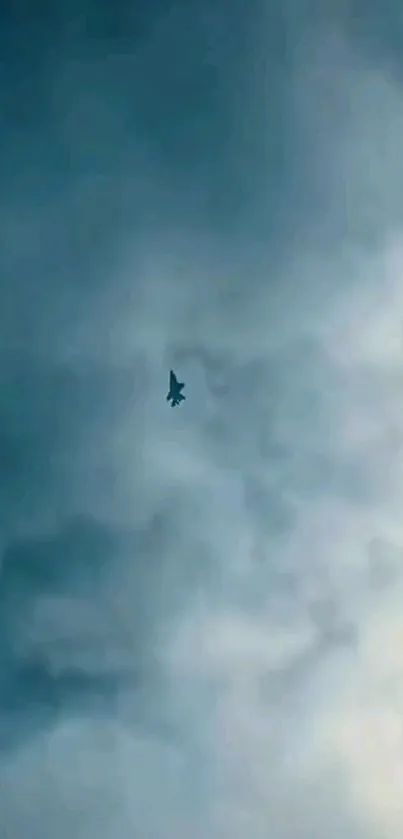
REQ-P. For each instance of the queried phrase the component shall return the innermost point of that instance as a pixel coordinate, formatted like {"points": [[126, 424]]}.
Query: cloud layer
{"points": [[200, 608]]}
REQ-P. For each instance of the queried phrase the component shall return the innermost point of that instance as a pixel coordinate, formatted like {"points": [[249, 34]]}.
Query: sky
{"points": [[201, 630]]}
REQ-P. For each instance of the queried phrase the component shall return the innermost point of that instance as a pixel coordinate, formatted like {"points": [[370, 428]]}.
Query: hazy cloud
{"points": [[200, 608]]}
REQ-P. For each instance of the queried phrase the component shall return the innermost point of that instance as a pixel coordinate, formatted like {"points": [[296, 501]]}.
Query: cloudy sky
{"points": [[201, 626]]}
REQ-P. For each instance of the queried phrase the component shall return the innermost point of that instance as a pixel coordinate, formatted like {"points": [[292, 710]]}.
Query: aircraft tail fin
{"points": [[176, 400]]}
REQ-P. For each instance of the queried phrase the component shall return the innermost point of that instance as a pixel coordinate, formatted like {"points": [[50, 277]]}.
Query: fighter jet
{"points": [[175, 388]]}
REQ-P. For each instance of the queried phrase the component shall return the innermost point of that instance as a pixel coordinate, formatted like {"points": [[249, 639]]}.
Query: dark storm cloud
{"points": [[199, 634]]}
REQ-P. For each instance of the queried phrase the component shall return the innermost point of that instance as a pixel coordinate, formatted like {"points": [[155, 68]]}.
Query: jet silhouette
{"points": [[175, 388]]}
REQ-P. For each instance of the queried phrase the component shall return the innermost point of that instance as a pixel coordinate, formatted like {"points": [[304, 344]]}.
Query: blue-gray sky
{"points": [[200, 617]]}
